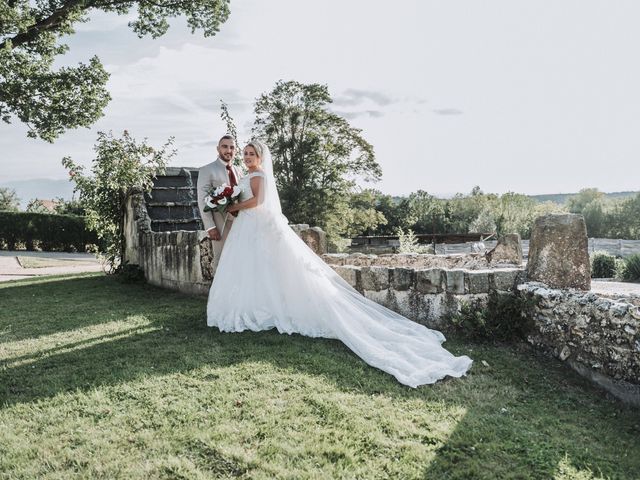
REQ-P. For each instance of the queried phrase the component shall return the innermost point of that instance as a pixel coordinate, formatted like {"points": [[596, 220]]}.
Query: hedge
{"points": [[49, 231]]}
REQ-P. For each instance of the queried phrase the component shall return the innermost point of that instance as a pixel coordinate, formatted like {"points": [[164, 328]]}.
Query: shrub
{"points": [[338, 244], [409, 243], [121, 167], [505, 317], [603, 265], [9, 200], [129, 273], [49, 231], [631, 271], [620, 268]]}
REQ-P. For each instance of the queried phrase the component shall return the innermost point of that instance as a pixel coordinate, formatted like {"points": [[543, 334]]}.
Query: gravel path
{"points": [[608, 288], [10, 268]]}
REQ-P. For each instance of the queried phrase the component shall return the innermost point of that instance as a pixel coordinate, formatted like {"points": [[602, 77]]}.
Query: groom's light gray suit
{"points": [[213, 175]]}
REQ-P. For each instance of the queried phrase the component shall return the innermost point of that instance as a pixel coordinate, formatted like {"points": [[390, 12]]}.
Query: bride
{"points": [[268, 277]]}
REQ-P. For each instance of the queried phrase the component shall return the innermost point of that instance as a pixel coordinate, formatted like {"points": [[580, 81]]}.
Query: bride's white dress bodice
{"points": [[246, 193], [245, 185]]}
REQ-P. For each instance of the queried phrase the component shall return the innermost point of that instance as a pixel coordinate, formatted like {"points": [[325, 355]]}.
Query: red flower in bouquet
{"points": [[221, 197]]}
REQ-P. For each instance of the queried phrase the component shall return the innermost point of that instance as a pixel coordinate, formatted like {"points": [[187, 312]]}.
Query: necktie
{"points": [[232, 176]]}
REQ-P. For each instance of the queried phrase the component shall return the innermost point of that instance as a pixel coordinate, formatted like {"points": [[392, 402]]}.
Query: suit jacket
{"points": [[210, 176]]}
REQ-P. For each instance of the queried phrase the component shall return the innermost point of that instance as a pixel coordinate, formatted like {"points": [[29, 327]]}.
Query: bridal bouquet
{"points": [[221, 197]]}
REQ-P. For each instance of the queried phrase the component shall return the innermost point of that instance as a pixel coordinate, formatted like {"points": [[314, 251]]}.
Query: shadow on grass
{"points": [[46, 305], [523, 413], [533, 417]]}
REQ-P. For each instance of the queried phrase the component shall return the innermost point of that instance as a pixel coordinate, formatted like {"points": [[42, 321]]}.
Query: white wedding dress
{"points": [[268, 277]]}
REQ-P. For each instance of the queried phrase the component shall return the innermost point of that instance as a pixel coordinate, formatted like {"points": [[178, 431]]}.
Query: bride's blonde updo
{"points": [[257, 146]]}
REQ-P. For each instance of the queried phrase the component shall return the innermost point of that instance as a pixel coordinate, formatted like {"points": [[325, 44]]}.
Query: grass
{"points": [[38, 262], [104, 380]]}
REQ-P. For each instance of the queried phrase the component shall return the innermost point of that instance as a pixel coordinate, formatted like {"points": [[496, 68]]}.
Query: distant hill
{"points": [[562, 198], [44, 189]]}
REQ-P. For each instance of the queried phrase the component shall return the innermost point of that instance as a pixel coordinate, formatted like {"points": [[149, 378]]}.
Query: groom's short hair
{"points": [[226, 137]]}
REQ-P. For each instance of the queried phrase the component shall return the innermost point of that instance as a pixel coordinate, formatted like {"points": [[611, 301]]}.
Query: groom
{"points": [[213, 175]]}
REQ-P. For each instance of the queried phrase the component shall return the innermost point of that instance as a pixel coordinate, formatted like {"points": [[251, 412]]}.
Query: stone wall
{"points": [[596, 335], [181, 260], [169, 259], [467, 261], [428, 295]]}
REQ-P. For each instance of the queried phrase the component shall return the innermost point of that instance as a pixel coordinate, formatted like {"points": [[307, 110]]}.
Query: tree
{"points": [[591, 204], [9, 200], [428, 212], [36, 206], [71, 207], [578, 202], [630, 217], [50, 101], [514, 213], [359, 216], [472, 213], [121, 167], [396, 211], [233, 131], [484, 222], [623, 219], [548, 207], [317, 154]]}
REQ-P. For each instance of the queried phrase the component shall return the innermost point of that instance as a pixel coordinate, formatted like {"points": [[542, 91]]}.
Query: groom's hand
{"points": [[214, 234]]}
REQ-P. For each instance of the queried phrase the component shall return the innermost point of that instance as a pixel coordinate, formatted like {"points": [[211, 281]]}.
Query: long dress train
{"points": [[268, 277]]}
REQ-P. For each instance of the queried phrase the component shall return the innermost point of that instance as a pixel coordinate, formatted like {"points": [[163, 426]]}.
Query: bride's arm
{"points": [[256, 187]]}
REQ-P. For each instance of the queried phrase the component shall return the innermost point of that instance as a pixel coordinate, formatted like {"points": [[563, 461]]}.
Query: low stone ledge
{"points": [[597, 336], [375, 278], [430, 281], [335, 258], [628, 392], [477, 281], [350, 274], [402, 278], [465, 261], [455, 281], [428, 296], [173, 260], [504, 279]]}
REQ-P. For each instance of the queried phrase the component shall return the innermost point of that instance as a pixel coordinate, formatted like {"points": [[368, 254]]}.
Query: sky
{"points": [[527, 96]]}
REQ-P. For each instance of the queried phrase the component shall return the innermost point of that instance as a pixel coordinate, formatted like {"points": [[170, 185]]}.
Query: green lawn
{"points": [[104, 380]]}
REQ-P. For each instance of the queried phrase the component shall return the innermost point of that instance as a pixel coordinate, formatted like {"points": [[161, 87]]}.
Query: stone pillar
{"points": [[508, 250], [206, 259], [559, 252], [316, 238]]}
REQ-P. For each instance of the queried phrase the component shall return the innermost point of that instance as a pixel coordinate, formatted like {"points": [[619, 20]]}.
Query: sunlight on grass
{"points": [[248, 419], [105, 380], [24, 352], [566, 471]]}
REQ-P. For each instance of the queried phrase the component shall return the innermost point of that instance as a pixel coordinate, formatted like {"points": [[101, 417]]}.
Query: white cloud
{"points": [[352, 96], [99, 21], [447, 111], [532, 97]]}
